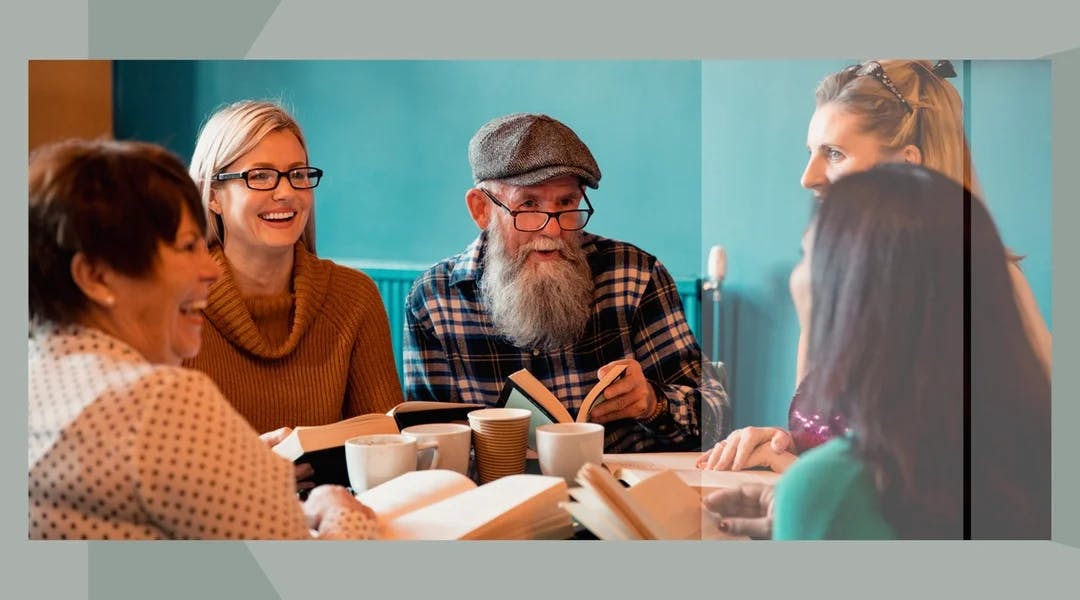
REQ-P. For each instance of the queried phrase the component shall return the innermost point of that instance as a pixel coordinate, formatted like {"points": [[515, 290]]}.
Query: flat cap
{"points": [[525, 149]]}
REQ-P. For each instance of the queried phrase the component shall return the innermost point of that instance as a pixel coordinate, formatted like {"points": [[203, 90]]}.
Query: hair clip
{"points": [[943, 69], [874, 69]]}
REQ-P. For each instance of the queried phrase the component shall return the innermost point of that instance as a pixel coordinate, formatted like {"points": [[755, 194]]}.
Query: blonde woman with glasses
{"points": [[290, 338]]}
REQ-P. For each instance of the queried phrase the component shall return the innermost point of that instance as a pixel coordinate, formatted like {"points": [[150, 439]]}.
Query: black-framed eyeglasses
{"points": [[535, 220], [263, 178], [874, 69]]}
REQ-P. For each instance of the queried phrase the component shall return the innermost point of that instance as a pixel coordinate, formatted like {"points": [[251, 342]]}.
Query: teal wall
{"points": [[753, 151], [1010, 129], [392, 138], [693, 154]]}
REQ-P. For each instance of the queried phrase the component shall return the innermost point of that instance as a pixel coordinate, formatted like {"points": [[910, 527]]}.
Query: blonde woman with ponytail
{"points": [[867, 114]]}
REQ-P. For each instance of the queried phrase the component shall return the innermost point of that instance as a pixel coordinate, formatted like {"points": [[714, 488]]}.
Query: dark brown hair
{"points": [[887, 335], [114, 201]]}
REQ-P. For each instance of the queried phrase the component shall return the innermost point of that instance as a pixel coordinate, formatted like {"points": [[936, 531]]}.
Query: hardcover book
{"points": [[523, 390]]}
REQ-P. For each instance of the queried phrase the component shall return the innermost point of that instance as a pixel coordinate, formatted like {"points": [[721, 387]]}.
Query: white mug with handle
{"points": [[455, 442], [375, 459], [564, 447]]}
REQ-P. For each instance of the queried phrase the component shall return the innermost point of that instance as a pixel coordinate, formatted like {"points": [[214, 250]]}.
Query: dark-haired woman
{"points": [[884, 260], [123, 442]]}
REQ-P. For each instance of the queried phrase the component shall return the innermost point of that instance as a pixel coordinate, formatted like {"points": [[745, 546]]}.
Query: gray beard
{"points": [[544, 305]]}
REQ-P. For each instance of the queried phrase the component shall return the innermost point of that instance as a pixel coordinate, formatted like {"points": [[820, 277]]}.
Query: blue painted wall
{"points": [[754, 121], [693, 154], [392, 138], [1010, 127]]}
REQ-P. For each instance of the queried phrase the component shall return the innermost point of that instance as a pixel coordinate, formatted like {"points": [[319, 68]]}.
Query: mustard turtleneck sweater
{"points": [[313, 356]]}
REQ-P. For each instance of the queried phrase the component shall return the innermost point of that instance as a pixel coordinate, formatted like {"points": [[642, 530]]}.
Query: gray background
{"points": [[552, 29]]}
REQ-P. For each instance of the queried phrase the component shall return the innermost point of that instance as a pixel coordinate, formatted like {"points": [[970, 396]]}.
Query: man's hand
{"points": [[746, 510], [750, 447], [630, 397]]}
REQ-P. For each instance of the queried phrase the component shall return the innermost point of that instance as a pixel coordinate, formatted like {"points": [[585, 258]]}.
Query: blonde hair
{"points": [[934, 124], [230, 133]]}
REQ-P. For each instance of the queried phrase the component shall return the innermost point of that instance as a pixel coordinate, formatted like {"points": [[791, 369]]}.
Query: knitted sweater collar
{"points": [[228, 313]]}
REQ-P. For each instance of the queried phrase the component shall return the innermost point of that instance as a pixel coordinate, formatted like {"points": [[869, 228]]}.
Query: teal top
{"points": [[828, 494]]}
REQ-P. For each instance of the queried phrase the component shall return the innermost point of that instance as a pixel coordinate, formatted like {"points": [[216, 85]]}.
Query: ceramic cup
{"points": [[455, 443], [375, 459], [563, 448]]}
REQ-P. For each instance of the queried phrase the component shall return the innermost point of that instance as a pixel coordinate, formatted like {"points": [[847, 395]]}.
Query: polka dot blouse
{"points": [[124, 449]]}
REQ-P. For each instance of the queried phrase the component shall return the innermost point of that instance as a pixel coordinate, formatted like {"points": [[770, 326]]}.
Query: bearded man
{"points": [[535, 291]]}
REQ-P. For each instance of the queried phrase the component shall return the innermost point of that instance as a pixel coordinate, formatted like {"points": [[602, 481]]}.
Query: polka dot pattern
{"points": [[123, 449]]}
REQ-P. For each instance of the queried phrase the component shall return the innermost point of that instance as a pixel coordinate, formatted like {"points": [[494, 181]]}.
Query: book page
{"points": [[413, 490], [619, 502], [598, 520], [591, 511], [320, 437], [420, 412], [537, 416], [677, 508], [704, 480], [654, 461], [633, 468], [506, 504], [596, 394], [422, 405], [531, 388]]}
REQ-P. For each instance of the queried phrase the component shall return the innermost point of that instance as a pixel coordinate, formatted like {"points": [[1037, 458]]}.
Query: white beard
{"points": [[543, 305]]}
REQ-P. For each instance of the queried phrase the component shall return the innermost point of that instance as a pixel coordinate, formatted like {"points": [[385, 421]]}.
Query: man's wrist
{"points": [[659, 409]]}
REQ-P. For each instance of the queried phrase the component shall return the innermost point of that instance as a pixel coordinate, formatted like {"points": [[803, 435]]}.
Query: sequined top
{"points": [[809, 429]]}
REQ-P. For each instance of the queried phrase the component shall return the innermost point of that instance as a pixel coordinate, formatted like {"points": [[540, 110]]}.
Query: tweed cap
{"points": [[524, 149]]}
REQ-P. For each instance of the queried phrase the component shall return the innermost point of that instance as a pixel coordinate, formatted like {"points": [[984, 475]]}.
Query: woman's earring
{"points": [[109, 300]]}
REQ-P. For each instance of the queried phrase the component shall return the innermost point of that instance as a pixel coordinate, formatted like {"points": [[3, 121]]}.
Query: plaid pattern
{"points": [[453, 353]]}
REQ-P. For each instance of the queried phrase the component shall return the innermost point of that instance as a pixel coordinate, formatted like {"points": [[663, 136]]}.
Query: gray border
{"points": [[189, 29], [1065, 94], [42, 570], [601, 30]]}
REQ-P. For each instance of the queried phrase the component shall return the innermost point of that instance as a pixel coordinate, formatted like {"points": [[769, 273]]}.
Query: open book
{"points": [[323, 446], [444, 505], [523, 390], [660, 504], [420, 412], [631, 469]]}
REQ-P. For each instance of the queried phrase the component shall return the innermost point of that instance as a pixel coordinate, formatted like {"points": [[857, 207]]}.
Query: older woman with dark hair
{"points": [[125, 443], [885, 261]]}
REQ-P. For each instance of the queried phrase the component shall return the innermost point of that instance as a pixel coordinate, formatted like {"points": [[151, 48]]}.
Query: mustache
{"points": [[565, 249]]}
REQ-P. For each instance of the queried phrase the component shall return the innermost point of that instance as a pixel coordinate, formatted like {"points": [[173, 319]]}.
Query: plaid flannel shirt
{"points": [[452, 352]]}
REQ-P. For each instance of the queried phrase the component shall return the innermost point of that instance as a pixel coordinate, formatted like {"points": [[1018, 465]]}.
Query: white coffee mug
{"points": [[455, 441], [564, 447], [375, 459]]}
